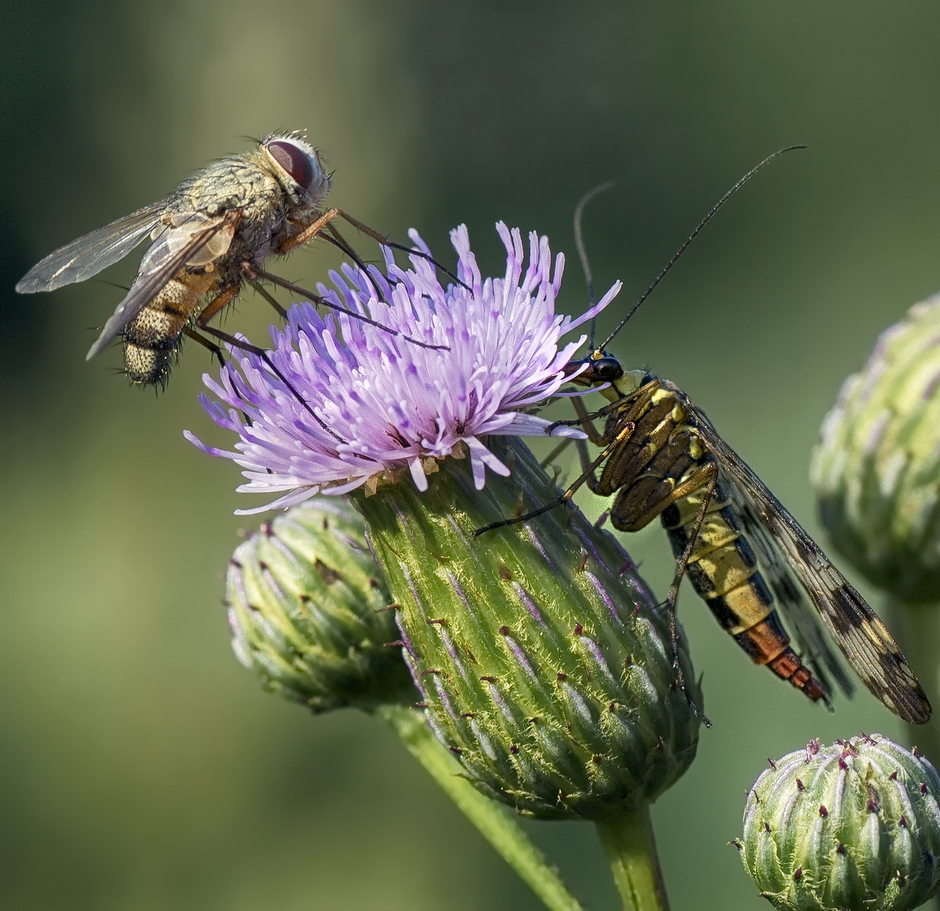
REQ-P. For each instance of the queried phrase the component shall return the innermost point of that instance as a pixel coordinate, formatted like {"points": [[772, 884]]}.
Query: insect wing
{"points": [[801, 620], [88, 255], [856, 628], [195, 239]]}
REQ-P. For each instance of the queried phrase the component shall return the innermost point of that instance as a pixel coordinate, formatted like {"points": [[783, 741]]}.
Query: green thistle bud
{"points": [[877, 468], [854, 825], [543, 661], [309, 610]]}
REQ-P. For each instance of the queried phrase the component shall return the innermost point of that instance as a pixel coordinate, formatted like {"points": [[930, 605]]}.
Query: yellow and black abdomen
{"points": [[153, 336], [659, 465], [723, 568]]}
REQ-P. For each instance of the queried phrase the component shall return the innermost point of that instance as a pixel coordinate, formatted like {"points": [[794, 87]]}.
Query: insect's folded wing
{"points": [[170, 252], [794, 609], [859, 632], [87, 256], [856, 628]]}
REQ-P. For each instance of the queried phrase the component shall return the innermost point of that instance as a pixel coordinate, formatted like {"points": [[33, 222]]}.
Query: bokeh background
{"points": [[140, 766]]}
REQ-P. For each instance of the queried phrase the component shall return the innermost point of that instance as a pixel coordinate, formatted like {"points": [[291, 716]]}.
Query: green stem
{"points": [[631, 851], [918, 632], [494, 823], [918, 628]]}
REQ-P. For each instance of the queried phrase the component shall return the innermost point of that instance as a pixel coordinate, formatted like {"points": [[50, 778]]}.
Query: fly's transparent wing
{"points": [[194, 239], [856, 628], [88, 255]]}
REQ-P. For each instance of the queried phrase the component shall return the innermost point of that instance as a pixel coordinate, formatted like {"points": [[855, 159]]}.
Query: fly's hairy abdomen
{"points": [[153, 337]]}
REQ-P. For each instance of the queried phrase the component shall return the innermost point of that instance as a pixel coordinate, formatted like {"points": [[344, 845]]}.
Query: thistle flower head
{"points": [[544, 663], [853, 825], [877, 467], [385, 405]]}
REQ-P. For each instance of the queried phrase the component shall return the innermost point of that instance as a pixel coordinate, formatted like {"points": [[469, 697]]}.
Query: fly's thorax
{"points": [[244, 184], [238, 182], [153, 336]]}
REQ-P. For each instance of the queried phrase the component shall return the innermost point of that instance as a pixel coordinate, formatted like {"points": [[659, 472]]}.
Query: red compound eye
{"points": [[292, 159]]}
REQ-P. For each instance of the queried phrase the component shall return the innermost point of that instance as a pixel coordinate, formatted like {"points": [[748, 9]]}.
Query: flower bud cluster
{"points": [[309, 610], [877, 467], [854, 825]]}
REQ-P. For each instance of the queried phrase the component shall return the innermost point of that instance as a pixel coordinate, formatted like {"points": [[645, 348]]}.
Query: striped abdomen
{"points": [[723, 568], [153, 336], [659, 454]]}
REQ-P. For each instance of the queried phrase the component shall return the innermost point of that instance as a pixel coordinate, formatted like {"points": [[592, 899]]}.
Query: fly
{"points": [[212, 234]]}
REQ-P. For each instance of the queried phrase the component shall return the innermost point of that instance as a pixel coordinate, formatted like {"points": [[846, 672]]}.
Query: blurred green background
{"points": [[140, 766]]}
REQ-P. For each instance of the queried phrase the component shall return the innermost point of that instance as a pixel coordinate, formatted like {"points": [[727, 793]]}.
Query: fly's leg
{"points": [[324, 223], [253, 273], [385, 242], [260, 289], [210, 346]]}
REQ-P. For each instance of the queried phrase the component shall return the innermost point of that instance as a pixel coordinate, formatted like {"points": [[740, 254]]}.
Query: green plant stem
{"points": [[631, 851], [918, 628], [918, 632], [493, 822]]}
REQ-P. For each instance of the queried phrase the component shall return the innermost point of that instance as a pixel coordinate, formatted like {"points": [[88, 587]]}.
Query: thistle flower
{"points": [[385, 405], [854, 825], [877, 467], [544, 663]]}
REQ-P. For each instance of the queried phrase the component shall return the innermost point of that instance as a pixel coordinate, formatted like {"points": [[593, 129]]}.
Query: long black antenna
{"points": [[711, 213]]}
